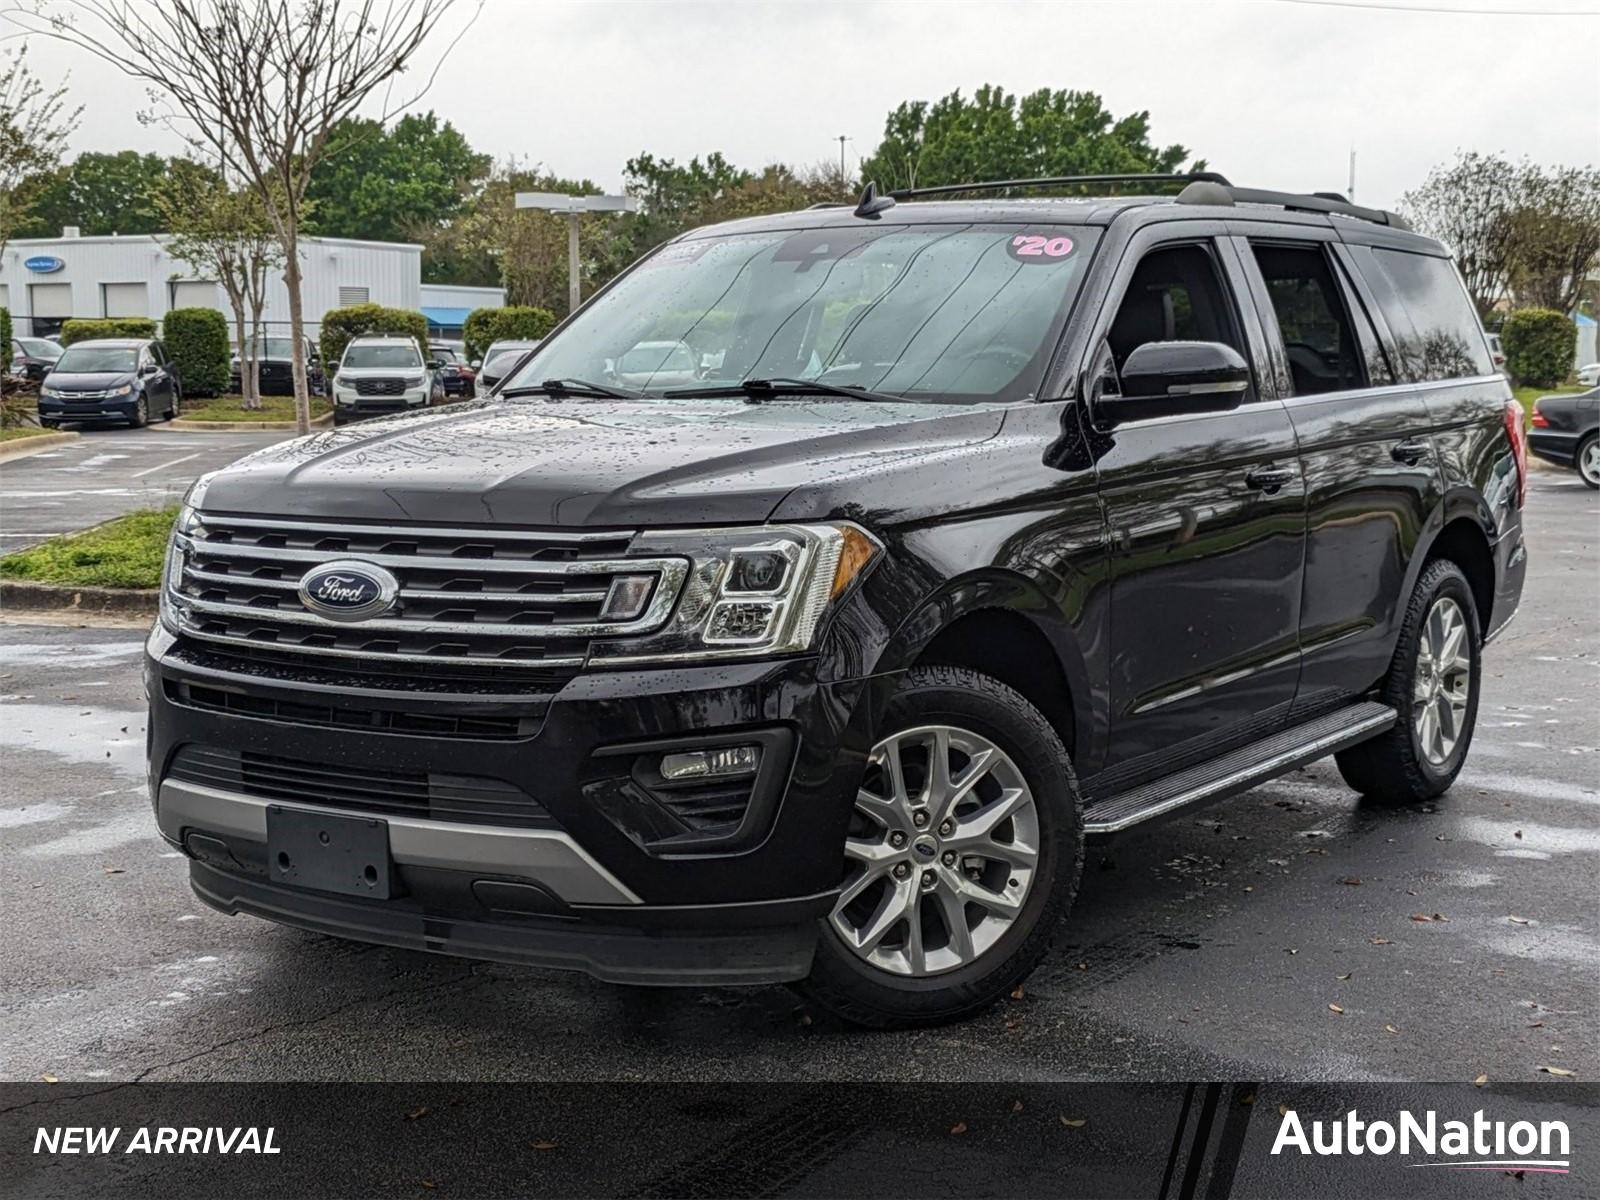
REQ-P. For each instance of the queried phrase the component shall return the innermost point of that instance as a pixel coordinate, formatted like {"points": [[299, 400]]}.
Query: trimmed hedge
{"points": [[197, 339], [1540, 344], [83, 329], [342, 324], [515, 322], [5, 332]]}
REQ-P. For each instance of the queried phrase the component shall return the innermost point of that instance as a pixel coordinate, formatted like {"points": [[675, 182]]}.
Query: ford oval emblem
{"points": [[44, 264], [348, 590]]}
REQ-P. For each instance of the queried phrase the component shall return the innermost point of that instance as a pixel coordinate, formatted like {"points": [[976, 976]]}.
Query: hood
{"points": [[88, 381], [619, 464]]}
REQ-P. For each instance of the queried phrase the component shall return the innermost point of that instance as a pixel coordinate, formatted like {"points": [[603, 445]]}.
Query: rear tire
{"points": [[1002, 757], [1587, 460], [1433, 683]]}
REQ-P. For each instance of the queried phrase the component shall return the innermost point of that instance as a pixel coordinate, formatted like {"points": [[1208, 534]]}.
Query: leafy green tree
{"points": [[34, 122], [387, 184], [488, 325], [100, 194], [996, 135]]}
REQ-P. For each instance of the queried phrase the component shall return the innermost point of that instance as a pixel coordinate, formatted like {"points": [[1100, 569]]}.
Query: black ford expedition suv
{"points": [[971, 531]]}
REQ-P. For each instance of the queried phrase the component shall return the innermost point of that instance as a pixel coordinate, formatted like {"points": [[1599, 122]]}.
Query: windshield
{"points": [[272, 347], [445, 355], [382, 356], [87, 359], [38, 348], [927, 312]]}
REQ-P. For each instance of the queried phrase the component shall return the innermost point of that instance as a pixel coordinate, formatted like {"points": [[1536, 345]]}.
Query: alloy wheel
{"points": [[1442, 682], [1589, 463], [942, 852]]}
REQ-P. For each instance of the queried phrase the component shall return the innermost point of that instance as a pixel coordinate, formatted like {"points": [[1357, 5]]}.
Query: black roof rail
{"points": [[997, 185], [1215, 192]]}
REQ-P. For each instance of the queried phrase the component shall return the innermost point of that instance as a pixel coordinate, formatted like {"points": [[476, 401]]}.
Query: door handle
{"points": [[1411, 451], [1270, 479]]}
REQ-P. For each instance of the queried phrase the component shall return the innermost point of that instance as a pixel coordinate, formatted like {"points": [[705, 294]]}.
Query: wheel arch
{"points": [[1003, 624], [1462, 531]]}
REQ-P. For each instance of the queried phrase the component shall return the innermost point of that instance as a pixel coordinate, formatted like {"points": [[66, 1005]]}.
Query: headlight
{"points": [[124, 390], [749, 592], [416, 381], [172, 570], [49, 393]]}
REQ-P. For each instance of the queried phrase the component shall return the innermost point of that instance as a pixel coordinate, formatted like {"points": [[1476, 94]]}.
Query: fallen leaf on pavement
{"points": [[544, 1145], [1336, 1009], [1390, 1029], [48, 1078], [1346, 976], [113, 870], [1480, 1081], [1557, 1071], [417, 1113], [1019, 993], [1519, 920], [1381, 942], [1351, 881], [1016, 1106], [958, 1128], [1074, 1122]]}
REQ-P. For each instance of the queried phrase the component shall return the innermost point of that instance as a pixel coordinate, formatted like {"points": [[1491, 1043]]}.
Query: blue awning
{"points": [[446, 318]]}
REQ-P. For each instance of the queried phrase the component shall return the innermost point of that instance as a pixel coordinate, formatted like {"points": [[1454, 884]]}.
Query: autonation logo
{"points": [[1478, 1145]]}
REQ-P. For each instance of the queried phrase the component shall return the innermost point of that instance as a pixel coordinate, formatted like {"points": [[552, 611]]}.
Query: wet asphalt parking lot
{"points": [[108, 472], [1273, 936]]}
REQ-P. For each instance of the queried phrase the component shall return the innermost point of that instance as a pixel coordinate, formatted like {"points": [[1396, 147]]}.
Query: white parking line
{"points": [[164, 466]]}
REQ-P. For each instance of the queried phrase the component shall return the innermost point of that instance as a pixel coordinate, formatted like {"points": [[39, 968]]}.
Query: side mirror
{"points": [[1162, 379], [477, 363], [435, 364], [149, 369]]}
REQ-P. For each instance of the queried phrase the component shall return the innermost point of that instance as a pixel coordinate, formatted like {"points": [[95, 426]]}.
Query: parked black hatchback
{"points": [[111, 379], [953, 535]]}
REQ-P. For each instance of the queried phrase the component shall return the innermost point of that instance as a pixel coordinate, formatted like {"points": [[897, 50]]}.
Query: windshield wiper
{"points": [[757, 390], [570, 387]]}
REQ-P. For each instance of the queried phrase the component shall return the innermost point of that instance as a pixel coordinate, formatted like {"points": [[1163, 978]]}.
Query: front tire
{"points": [[1433, 683], [957, 875], [1588, 461], [140, 416]]}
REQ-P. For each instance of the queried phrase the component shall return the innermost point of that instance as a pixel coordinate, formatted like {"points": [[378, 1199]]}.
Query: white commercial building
{"points": [[44, 281]]}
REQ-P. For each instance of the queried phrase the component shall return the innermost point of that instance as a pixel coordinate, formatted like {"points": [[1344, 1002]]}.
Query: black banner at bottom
{"points": [[1162, 1141]]}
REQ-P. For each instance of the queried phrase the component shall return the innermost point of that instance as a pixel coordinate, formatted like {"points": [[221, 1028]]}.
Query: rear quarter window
{"points": [[1435, 327]]}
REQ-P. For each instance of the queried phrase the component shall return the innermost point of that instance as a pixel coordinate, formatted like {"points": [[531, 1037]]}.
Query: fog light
{"points": [[736, 621], [726, 762]]}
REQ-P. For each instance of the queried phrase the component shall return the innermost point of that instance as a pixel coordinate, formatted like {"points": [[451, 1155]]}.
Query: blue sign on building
{"points": [[44, 264]]}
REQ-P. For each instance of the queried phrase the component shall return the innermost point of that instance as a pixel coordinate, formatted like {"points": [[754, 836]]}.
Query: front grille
{"points": [[467, 597], [380, 387], [462, 798], [361, 718]]}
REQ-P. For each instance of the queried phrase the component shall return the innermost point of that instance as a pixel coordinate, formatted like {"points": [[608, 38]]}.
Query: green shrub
{"points": [[197, 339], [5, 332], [342, 324], [83, 329], [1539, 345], [515, 322]]}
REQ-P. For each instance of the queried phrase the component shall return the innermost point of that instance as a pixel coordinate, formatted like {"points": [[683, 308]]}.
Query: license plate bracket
{"points": [[329, 853]]}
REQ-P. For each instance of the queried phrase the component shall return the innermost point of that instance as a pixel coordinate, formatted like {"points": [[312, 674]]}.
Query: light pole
{"points": [[573, 207]]}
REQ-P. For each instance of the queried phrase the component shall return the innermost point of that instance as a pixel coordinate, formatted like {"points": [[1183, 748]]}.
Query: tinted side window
{"points": [[1176, 295], [1435, 327], [1318, 336]]}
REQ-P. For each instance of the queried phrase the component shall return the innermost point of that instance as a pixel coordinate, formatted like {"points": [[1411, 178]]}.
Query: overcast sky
{"points": [[1274, 93]]}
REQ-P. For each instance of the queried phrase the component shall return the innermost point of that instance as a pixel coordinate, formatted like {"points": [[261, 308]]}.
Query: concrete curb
{"points": [[96, 601], [180, 425], [23, 447]]}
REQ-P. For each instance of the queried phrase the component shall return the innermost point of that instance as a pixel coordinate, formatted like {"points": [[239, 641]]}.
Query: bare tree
{"points": [[1466, 205], [224, 234], [263, 83], [34, 122]]}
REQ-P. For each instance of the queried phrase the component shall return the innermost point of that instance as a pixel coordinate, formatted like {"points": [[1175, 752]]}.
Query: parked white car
{"points": [[1589, 376], [383, 375]]}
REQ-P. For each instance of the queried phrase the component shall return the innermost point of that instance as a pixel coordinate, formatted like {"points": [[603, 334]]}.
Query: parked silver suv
{"points": [[379, 375]]}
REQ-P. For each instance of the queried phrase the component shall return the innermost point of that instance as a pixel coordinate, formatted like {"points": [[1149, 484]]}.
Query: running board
{"points": [[1239, 771]]}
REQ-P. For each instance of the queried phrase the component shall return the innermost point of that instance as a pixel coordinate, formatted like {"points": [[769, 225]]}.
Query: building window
{"points": [[349, 296]]}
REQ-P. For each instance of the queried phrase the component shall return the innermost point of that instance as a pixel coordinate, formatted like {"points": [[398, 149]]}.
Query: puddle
{"points": [[1537, 841], [77, 655], [105, 737]]}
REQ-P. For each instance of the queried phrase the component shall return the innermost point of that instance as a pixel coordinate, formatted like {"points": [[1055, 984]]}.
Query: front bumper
{"points": [[349, 404], [112, 408], [589, 889]]}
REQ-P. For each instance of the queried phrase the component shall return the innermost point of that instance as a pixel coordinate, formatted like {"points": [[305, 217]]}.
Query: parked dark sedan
{"points": [[275, 368], [1566, 431], [33, 358], [111, 379], [455, 373]]}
